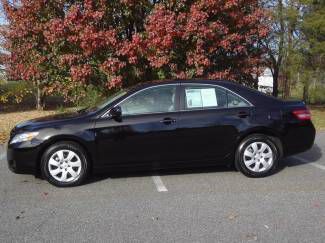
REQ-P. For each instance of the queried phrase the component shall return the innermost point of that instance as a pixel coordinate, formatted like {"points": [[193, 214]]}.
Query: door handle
{"points": [[243, 114], [168, 121]]}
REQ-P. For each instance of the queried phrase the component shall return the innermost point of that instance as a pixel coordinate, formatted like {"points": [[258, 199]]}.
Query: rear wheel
{"points": [[257, 156], [65, 164]]}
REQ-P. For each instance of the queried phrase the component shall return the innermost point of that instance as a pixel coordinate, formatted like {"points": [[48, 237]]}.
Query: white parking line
{"points": [[159, 184], [322, 167], [2, 152]]}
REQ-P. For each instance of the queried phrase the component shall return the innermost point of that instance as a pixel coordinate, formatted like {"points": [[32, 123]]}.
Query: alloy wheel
{"points": [[65, 166], [258, 157]]}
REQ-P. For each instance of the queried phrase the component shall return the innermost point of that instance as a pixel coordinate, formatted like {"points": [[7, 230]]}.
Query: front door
{"points": [[146, 133]]}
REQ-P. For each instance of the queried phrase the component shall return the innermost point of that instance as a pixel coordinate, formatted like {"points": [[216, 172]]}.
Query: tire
{"points": [[65, 164], [258, 155]]}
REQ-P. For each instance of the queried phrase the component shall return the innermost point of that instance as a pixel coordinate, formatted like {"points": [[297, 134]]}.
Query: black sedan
{"points": [[164, 124]]}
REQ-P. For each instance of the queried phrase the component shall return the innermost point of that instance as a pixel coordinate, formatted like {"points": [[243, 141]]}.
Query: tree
{"points": [[305, 53], [295, 46], [310, 53], [206, 39], [29, 55], [108, 44], [279, 43]]}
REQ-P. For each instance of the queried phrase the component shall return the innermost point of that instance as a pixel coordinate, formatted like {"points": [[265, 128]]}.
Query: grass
{"points": [[9, 119], [318, 117]]}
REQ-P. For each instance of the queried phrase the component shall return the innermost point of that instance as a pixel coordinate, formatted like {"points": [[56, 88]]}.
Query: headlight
{"points": [[23, 137]]}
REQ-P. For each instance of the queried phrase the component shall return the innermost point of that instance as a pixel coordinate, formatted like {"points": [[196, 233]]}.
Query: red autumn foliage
{"points": [[214, 39], [121, 42]]}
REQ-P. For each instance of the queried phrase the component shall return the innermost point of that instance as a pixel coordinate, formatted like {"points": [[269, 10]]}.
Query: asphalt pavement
{"points": [[207, 205]]}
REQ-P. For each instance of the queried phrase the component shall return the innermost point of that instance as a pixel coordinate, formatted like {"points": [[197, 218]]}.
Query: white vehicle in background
{"points": [[265, 82]]}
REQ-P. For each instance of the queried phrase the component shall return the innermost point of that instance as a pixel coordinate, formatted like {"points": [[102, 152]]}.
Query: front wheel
{"points": [[64, 164], [257, 156]]}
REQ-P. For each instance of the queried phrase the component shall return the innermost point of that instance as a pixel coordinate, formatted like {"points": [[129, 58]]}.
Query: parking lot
{"points": [[206, 205]]}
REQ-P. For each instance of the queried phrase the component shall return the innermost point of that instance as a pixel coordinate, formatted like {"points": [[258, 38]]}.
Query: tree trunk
{"points": [[275, 82], [305, 94], [39, 97], [277, 60], [256, 83], [286, 86]]}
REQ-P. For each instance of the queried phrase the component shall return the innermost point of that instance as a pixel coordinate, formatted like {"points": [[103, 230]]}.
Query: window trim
{"points": [[183, 97], [180, 102], [177, 100]]}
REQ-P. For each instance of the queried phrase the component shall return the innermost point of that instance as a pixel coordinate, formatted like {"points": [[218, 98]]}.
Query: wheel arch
{"points": [[58, 139], [273, 135]]}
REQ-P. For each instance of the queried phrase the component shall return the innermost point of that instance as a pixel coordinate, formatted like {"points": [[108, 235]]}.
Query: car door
{"points": [[209, 122], [145, 135]]}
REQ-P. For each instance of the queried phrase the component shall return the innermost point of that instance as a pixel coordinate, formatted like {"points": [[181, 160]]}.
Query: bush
{"points": [[77, 94], [15, 91], [317, 95], [91, 97]]}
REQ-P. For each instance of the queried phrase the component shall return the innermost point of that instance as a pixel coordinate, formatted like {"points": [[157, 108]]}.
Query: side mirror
{"points": [[116, 113]]}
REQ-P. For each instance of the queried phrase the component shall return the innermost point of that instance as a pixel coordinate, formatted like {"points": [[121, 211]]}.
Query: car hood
{"points": [[49, 120]]}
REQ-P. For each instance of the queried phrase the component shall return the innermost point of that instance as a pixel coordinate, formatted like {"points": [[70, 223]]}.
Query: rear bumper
{"points": [[22, 160], [298, 138]]}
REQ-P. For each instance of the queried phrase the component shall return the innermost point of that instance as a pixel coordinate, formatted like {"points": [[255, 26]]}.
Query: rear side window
{"points": [[205, 97], [236, 101]]}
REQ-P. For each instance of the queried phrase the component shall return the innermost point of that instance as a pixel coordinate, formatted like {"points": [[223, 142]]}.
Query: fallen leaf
{"points": [[232, 216], [251, 236], [316, 204]]}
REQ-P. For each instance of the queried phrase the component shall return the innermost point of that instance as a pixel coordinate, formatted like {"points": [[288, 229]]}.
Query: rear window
{"points": [[236, 101]]}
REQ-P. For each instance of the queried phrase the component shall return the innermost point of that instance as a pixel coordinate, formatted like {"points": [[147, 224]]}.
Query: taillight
{"points": [[302, 115]]}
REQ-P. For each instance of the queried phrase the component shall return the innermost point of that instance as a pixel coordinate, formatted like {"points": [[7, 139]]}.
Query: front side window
{"points": [[153, 100], [205, 97]]}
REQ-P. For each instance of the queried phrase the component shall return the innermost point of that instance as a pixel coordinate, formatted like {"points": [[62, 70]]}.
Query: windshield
{"points": [[111, 99], [106, 102]]}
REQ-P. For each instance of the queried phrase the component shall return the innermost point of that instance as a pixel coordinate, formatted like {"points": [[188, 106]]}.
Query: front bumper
{"points": [[23, 160]]}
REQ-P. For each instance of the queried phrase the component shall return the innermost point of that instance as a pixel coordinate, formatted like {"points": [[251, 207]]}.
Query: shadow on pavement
{"points": [[147, 173], [312, 155]]}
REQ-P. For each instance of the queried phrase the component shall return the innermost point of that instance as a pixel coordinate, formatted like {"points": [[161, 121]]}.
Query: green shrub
{"points": [[15, 91], [80, 95], [317, 95], [91, 97]]}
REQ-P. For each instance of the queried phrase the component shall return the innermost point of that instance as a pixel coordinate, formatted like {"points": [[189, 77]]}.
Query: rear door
{"points": [[209, 123]]}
